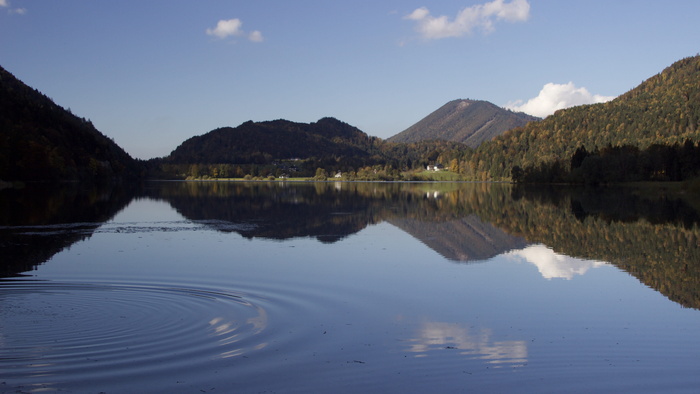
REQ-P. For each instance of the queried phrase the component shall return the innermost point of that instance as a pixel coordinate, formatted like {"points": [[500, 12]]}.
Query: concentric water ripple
{"points": [[52, 331]]}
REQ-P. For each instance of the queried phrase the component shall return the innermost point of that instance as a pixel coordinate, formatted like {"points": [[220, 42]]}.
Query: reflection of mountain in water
{"points": [[36, 224], [621, 227], [41, 220], [464, 239], [656, 239], [272, 211], [330, 212]]}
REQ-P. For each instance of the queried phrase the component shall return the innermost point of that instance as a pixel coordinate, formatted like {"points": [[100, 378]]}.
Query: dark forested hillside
{"points": [[284, 148], [664, 110], [467, 121], [41, 141], [258, 142]]}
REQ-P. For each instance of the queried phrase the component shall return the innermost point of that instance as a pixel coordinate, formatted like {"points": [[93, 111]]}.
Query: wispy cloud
{"points": [[6, 4], [232, 28], [255, 36], [480, 16], [554, 97]]}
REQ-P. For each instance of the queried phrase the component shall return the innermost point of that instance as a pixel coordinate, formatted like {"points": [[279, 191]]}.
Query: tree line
{"points": [[614, 164]]}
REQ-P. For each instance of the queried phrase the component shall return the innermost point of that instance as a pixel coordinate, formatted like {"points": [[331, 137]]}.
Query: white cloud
{"points": [[4, 3], [554, 97], [553, 265], [233, 27], [255, 36], [225, 28], [481, 16]]}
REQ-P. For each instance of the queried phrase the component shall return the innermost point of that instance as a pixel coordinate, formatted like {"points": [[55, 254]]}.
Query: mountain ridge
{"points": [[275, 139], [464, 120], [42, 141]]}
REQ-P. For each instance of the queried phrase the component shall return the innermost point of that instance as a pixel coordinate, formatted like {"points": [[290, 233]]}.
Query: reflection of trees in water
{"points": [[655, 239], [328, 211], [273, 210], [439, 215], [616, 203], [41, 220], [618, 226]]}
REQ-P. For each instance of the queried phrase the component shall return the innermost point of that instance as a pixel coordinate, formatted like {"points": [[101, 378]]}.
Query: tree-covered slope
{"points": [[468, 121], [259, 142], [41, 141], [665, 109]]}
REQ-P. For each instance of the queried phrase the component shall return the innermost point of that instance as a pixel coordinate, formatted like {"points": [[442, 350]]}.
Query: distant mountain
{"points": [[41, 141], [663, 110], [285, 148], [261, 142], [468, 121]]}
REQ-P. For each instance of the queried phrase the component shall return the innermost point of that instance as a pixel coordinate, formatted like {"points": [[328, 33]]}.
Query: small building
{"points": [[434, 167]]}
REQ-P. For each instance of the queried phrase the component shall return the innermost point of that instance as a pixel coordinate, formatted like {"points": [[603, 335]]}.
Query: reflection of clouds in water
{"points": [[554, 265], [232, 332], [439, 335]]}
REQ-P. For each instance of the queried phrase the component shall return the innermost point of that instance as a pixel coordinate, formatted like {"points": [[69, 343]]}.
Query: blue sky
{"points": [[150, 74]]}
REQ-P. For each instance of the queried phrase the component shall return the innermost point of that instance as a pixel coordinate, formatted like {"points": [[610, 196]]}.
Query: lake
{"points": [[222, 287]]}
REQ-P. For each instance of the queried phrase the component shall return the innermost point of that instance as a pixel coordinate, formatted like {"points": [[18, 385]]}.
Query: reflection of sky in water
{"points": [[553, 265], [231, 333], [194, 308], [146, 209], [476, 343]]}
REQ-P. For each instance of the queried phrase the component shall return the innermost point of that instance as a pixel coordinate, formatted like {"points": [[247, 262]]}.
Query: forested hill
{"points": [[468, 121], [41, 141], [261, 142], [665, 110]]}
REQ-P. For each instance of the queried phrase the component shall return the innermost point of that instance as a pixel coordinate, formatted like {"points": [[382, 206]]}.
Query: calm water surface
{"points": [[352, 287]]}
